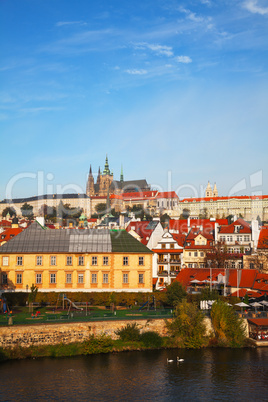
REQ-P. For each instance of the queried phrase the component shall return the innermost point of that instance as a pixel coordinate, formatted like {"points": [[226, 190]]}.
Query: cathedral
{"points": [[105, 183]]}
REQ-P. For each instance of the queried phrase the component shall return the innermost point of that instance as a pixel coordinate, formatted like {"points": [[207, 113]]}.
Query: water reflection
{"points": [[207, 374]]}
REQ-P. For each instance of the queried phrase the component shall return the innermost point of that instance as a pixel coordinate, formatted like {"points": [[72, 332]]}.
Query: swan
{"points": [[169, 361], [180, 360]]}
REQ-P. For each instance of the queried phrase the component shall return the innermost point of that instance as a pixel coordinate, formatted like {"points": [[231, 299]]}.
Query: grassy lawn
{"points": [[22, 316]]}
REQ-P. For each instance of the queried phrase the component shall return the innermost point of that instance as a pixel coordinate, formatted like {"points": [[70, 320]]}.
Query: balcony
{"points": [[174, 273], [174, 261], [162, 273], [164, 261]]}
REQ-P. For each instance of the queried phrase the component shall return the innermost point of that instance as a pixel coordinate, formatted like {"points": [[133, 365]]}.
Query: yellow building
{"points": [[75, 260]]}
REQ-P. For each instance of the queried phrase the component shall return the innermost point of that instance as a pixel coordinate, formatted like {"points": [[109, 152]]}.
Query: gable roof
{"points": [[36, 239], [263, 238], [244, 227]]}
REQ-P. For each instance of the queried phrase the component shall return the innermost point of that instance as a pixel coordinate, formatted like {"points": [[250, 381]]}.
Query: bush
{"points": [[151, 339], [130, 332], [228, 327], [188, 326], [99, 344]]}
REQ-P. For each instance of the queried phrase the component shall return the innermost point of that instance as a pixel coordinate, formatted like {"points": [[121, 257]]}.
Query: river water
{"points": [[205, 375]]}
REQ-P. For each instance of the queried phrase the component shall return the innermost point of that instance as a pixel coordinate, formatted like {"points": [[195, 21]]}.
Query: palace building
{"points": [[75, 260]]}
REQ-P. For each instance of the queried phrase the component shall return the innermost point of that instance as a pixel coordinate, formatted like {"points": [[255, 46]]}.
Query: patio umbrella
{"points": [[195, 281], [241, 304], [264, 303], [255, 304]]}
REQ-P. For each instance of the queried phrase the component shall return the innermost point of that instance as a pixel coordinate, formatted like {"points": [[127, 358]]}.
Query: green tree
{"points": [[185, 213], [8, 210], [187, 327], [27, 210], [229, 328], [100, 208], [175, 293]]}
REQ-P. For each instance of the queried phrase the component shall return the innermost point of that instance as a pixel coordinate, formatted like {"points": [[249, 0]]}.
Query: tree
{"points": [[185, 213], [27, 210], [217, 256], [175, 293], [228, 327], [188, 326], [203, 213], [101, 208], [9, 210]]}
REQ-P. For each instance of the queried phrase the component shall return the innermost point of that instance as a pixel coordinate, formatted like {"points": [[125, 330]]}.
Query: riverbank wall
{"points": [[55, 333]]}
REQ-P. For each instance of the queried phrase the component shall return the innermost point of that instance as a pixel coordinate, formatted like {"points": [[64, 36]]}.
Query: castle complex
{"points": [[105, 183]]}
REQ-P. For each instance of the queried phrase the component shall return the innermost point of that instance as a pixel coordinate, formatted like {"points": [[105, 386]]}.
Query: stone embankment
{"points": [[52, 334]]}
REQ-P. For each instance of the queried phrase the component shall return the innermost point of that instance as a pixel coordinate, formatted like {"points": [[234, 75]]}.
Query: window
{"points": [[201, 254], [190, 265], [80, 278], [53, 260], [69, 260], [105, 278], [163, 246], [125, 278], [105, 260], [233, 264], [93, 278], [38, 278], [52, 278], [94, 260], [172, 245], [39, 260], [125, 260], [4, 278], [19, 279], [141, 278], [251, 265], [80, 260], [68, 278], [246, 238], [141, 261], [161, 268], [19, 260], [240, 265], [5, 261], [196, 254], [190, 253]]}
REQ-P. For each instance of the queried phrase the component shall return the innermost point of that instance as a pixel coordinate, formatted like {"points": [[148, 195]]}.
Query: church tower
{"points": [[106, 178], [208, 191], [215, 191], [90, 184]]}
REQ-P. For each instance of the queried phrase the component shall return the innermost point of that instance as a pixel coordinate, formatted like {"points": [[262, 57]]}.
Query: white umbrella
{"points": [[195, 281], [241, 304], [255, 304]]}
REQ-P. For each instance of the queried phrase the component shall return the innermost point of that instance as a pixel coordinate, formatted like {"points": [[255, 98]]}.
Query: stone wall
{"points": [[48, 334]]}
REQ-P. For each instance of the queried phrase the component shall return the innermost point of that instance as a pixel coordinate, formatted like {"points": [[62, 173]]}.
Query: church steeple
{"points": [[106, 167], [208, 190], [90, 183], [215, 191], [122, 175]]}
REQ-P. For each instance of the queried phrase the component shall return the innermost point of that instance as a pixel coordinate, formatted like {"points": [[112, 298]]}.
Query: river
{"points": [[205, 375]]}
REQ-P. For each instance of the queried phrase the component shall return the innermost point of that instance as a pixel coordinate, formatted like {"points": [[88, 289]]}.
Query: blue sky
{"points": [[175, 91]]}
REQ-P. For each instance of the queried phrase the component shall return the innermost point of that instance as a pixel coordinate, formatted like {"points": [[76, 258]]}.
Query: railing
{"points": [[162, 273], [162, 261]]}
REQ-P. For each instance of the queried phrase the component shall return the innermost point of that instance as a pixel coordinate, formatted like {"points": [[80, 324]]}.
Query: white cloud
{"points": [[254, 7], [192, 16], [136, 72], [158, 49], [62, 23], [183, 59]]}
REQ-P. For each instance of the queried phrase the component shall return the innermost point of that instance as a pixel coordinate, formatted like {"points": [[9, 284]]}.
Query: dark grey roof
{"points": [[131, 185], [36, 239], [43, 197]]}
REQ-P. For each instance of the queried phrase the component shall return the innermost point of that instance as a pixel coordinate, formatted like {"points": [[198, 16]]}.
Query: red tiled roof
{"points": [[263, 238], [140, 227], [179, 238], [239, 197], [259, 322], [5, 223], [244, 292], [244, 227], [167, 194], [9, 234]]}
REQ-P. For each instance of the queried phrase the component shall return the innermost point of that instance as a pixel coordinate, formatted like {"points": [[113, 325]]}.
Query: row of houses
{"points": [[143, 256]]}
